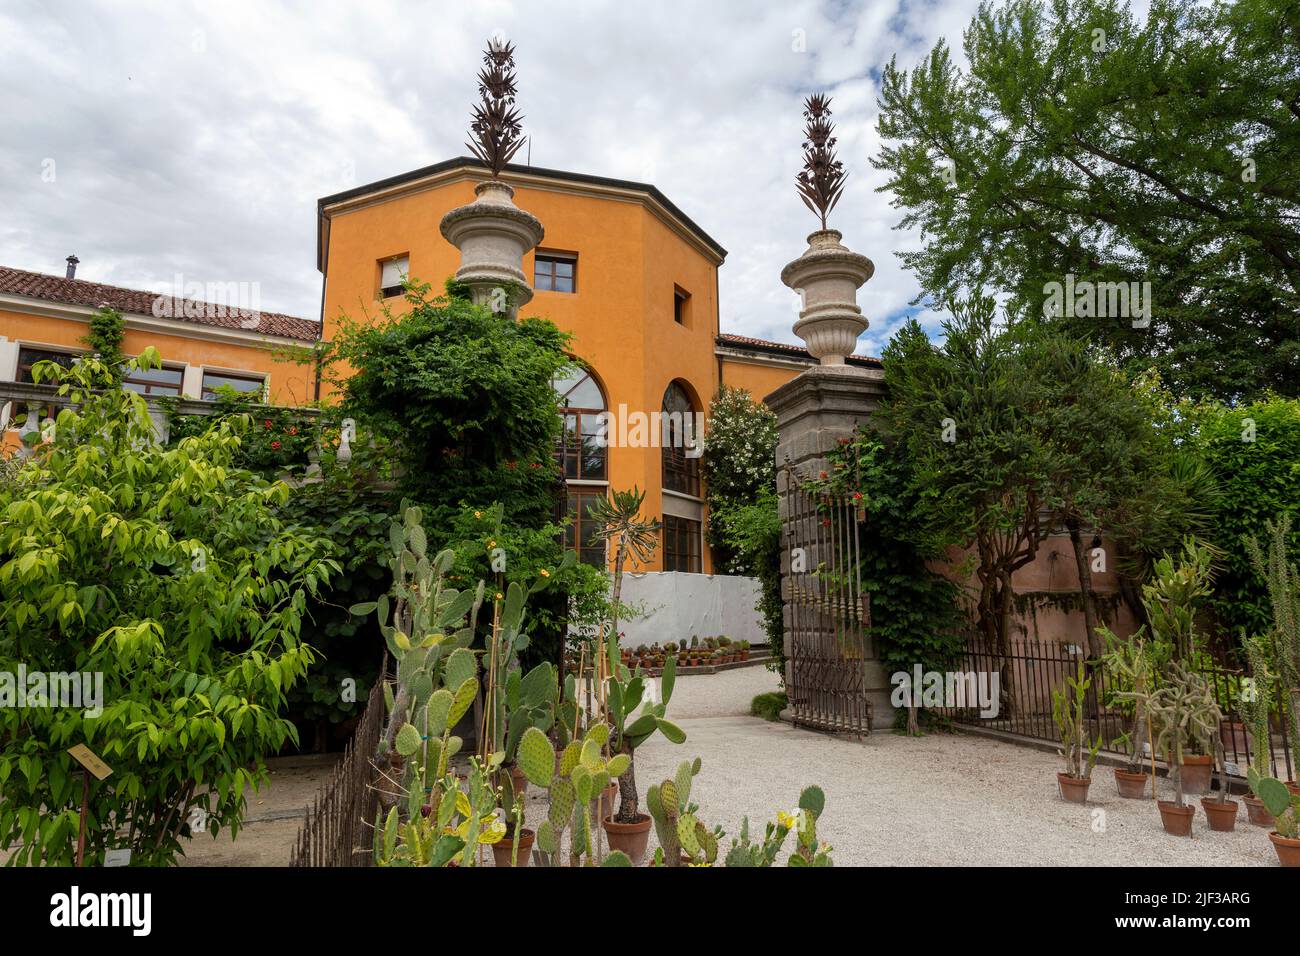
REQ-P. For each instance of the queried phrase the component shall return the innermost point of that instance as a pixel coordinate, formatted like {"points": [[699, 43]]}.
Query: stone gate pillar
{"points": [[819, 407]]}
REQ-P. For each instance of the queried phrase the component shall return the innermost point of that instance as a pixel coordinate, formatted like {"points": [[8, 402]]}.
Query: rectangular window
{"points": [[681, 305], [392, 272], [555, 272], [681, 544], [681, 472], [580, 453], [244, 384], [27, 357], [155, 381], [580, 532]]}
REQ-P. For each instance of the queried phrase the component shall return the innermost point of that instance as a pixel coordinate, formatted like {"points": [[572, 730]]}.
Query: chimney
{"points": [[72, 266]]}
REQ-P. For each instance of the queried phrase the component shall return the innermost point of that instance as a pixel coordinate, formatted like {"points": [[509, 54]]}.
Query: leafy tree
{"points": [[104, 338], [618, 518], [166, 571], [1084, 141], [1254, 453], [981, 470], [739, 468], [465, 397]]}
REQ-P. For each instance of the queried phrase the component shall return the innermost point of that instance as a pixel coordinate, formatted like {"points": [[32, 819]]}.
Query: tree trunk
{"points": [[1095, 650], [627, 799]]}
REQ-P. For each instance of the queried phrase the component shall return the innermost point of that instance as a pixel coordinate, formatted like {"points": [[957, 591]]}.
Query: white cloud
{"points": [[196, 138]]}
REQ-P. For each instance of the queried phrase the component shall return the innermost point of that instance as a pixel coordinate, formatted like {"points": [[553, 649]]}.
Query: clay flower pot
{"points": [[518, 781], [1177, 820], [1256, 812], [1288, 850], [1236, 739], [607, 801], [1197, 769], [1131, 786], [1293, 787], [1221, 816], [631, 838], [1073, 789], [503, 848]]}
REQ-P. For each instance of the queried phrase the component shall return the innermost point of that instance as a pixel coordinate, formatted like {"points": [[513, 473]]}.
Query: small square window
{"points": [[392, 273], [555, 272], [681, 305]]}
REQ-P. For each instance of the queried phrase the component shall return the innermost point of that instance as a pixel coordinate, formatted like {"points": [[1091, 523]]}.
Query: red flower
{"points": [[267, 423], [535, 465], [844, 441], [824, 475], [826, 522], [512, 465], [275, 446], [857, 496], [293, 429]]}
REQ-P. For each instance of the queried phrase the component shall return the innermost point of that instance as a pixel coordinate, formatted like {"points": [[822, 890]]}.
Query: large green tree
{"points": [[168, 573], [1082, 140]]}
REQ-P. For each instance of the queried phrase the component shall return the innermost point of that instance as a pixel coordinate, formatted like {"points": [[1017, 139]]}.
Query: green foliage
{"points": [[915, 618], [169, 572], [278, 438], [1283, 637], [739, 468], [802, 822], [627, 692], [1057, 173], [104, 338], [1254, 452], [465, 397], [769, 706]]}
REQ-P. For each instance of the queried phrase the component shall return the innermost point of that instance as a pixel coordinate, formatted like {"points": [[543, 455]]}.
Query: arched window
{"points": [[681, 464], [582, 461], [581, 402]]}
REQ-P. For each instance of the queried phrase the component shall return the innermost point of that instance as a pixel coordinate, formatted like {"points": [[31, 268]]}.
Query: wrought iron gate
{"points": [[829, 612]]}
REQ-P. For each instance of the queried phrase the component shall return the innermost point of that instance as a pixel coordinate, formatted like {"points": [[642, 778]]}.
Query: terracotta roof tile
{"points": [[37, 285], [794, 351]]}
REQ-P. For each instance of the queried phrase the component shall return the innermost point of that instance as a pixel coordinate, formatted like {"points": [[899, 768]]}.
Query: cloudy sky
{"points": [[156, 139]]}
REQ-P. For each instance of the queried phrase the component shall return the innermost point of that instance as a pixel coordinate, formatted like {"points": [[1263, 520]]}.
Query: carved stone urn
{"points": [[493, 234], [828, 276]]}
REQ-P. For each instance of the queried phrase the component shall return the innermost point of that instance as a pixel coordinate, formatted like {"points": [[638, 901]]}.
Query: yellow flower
{"points": [[786, 820], [478, 514], [500, 596], [545, 573], [491, 544]]}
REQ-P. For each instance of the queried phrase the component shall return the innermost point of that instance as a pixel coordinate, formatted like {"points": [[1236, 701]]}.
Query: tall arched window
{"points": [[681, 471], [683, 518], [582, 461], [581, 402]]}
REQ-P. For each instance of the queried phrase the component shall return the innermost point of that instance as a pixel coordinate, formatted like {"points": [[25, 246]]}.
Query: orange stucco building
{"points": [[621, 268]]}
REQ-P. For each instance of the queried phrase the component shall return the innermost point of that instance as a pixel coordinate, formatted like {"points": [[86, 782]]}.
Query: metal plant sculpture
{"points": [[821, 181], [496, 129]]}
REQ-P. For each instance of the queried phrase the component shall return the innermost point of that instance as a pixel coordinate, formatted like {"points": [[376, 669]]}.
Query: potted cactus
{"points": [[1068, 706], [1284, 804], [1254, 707], [1183, 712], [1132, 664], [629, 829]]}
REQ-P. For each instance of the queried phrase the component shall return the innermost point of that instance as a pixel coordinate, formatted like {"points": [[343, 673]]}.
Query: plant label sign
{"points": [[120, 857], [88, 759]]}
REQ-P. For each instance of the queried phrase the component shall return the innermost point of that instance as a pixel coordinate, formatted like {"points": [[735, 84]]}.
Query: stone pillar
{"points": [[493, 235], [826, 403]]}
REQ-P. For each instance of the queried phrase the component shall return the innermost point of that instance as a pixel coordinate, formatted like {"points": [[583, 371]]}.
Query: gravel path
{"points": [[943, 799]]}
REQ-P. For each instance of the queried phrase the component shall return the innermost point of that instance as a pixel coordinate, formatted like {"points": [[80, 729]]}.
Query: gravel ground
{"points": [[939, 800]]}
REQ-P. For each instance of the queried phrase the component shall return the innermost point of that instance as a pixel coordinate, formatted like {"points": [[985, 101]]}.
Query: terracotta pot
{"points": [[1197, 769], [1288, 850], [1073, 789], [1293, 787], [518, 781], [608, 801], [1220, 816], [631, 838], [1177, 820], [503, 848], [1256, 812], [1131, 786]]}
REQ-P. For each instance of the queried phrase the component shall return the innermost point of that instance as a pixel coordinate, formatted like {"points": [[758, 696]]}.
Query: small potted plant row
{"points": [[698, 652]]}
